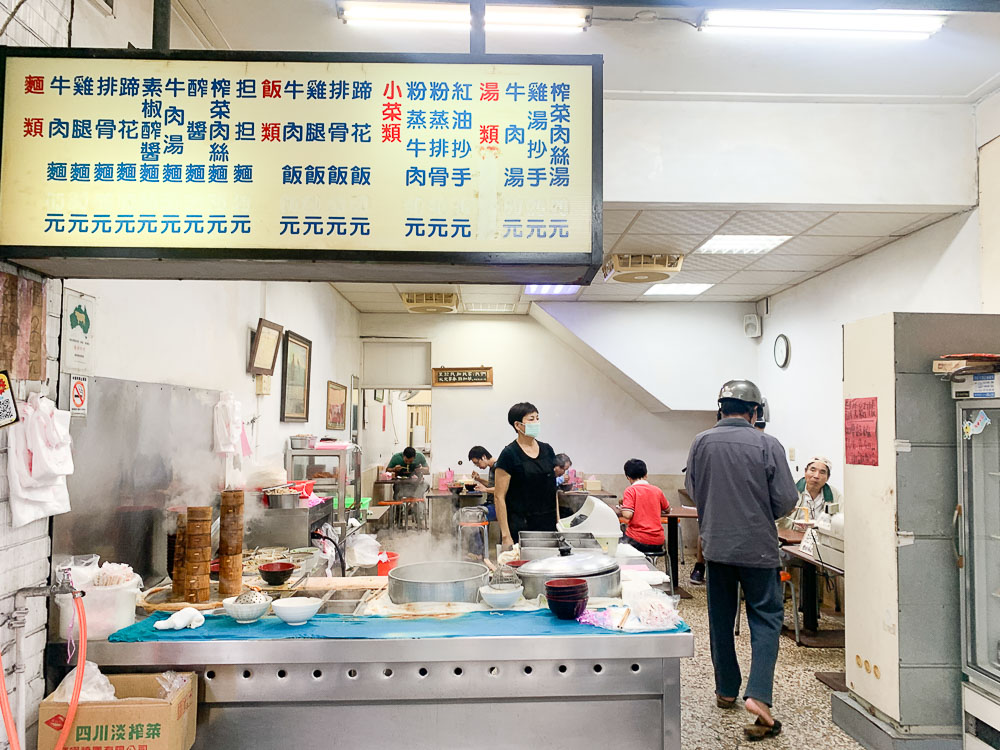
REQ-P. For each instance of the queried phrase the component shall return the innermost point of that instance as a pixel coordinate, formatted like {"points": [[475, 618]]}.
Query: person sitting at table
{"points": [[483, 460], [816, 493], [563, 463], [642, 506], [409, 468]]}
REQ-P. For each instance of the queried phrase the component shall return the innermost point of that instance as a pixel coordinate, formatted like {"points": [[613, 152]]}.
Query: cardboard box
{"points": [[140, 722], [978, 385], [950, 365]]}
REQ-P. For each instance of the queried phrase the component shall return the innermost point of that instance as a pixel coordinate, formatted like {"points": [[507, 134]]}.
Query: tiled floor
{"points": [[801, 702]]}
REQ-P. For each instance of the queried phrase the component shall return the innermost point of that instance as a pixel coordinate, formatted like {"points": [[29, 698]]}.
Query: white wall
{"points": [[679, 352], [934, 270], [378, 445], [195, 333], [737, 152], [583, 413], [132, 23]]}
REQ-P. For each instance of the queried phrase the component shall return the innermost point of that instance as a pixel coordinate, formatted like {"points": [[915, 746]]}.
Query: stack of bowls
{"points": [[567, 597]]}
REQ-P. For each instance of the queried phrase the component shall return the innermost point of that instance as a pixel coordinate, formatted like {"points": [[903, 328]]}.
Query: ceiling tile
{"points": [[377, 307], [490, 289], [725, 298], [766, 277], [716, 262], [809, 244], [373, 297], [658, 243], [680, 222], [858, 223], [616, 222], [427, 287], [349, 287], [773, 262], [721, 290], [835, 262], [773, 222], [700, 277], [926, 221]]}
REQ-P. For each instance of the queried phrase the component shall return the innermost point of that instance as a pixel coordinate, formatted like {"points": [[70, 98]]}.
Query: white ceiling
{"points": [[667, 59], [821, 240]]}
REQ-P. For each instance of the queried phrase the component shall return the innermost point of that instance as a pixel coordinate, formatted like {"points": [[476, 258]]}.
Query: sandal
{"points": [[761, 731], [724, 702]]}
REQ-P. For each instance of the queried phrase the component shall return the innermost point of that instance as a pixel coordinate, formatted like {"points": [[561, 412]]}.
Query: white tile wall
{"points": [[24, 552]]}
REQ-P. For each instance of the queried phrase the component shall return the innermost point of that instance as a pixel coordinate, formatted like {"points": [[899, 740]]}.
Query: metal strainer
{"points": [[504, 577]]}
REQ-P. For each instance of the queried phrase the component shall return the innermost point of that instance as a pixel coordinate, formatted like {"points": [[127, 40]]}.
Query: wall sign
{"points": [[861, 431], [449, 376], [306, 157], [79, 395], [8, 406], [78, 332]]}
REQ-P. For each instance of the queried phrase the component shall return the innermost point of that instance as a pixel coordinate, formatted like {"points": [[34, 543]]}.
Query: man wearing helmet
{"points": [[740, 482]]}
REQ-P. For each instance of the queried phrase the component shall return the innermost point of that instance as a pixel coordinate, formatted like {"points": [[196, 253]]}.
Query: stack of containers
{"points": [[198, 554], [231, 543], [179, 575]]}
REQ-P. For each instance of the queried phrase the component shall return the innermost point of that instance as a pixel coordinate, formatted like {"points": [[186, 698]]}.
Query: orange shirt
{"points": [[646, 503]]}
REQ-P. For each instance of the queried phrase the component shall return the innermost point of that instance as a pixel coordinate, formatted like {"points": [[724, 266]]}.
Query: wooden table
{"points": [[813, 637], [790, 536], [672, 518]]}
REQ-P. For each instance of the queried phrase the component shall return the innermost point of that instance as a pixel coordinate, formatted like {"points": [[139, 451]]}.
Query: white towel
{"points": [[188, 617]]}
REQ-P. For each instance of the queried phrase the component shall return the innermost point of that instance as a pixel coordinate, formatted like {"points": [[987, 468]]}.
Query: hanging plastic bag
{"points": [[48, 440], [228, 423], [37, 488], [362, 551]]}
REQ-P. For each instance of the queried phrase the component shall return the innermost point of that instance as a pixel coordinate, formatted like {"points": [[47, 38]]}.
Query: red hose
{"points": [[8, 717], [81, 659]]}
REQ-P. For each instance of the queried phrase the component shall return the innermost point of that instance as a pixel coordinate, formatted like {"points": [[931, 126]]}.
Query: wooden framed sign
{"points": [[443, 376]]}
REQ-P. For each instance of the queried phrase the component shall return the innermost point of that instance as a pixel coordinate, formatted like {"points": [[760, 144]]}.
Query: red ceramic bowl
{"points": [[567, 591], [566, 598], [276, 573], [567, 610], [517, 563], [565, 583]]}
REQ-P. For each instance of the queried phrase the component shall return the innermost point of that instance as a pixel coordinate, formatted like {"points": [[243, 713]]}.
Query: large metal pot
{"points": [[602, 573], [445, 581]]}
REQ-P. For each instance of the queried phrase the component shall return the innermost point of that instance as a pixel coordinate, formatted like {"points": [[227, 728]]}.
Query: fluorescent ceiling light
{"points": [[538, 290], [676, 290], [457, 16], [880, 24], [743, 243]]}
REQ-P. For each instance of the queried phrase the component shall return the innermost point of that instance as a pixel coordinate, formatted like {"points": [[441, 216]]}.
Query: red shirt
{"points": [[646, 503]]}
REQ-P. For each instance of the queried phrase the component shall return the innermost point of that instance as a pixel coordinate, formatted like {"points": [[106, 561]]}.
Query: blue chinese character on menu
{"points": [[219, 109], [416, 91], [173, 144], [536, 149], [338, 132], [149, 173], [54, 222], [105, 129], [174, 86], [536, 228], [336, 175], [439, 91], [58, 128], [216, 224], [243, 173], [438, 228], [560, 113], [152, 87], [293, 89], [107, 86], [515, 90], [291, 175], [414, 227], [462, 120], [245, 131], [315, 175], [535, 176], [81, 129], [438, 120], [292, 132], [221, 87], [438, 148], [559, 155], [173, 115], [415, 119], [125, 172], [416, 176], [218, 152], [246, 88], [361, 175], [360, 225], [172, 173], [315, 131], [461, 92], [438, 176], [152, 109], [361, 132], [560, 91], [461, 148], [56, 171], [460, 176], [218, 131], [128, 86], [340, 89], [218, 173], [513, 177], [197, 88], [241, 224], [559, 177], [103, 172], [512, 228], [538, 92], [513, 134], [150, 130], [361, 90], [316, 89], [196, 130], [461, 228], [83, 86], [79, 172], [194, 173], [128, 129], [538, 120]]}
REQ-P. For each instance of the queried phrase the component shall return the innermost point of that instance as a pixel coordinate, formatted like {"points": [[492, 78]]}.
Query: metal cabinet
{"points": [[337, 473]]}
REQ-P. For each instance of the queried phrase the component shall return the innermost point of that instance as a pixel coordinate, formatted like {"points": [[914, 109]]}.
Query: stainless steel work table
{"points": [[609, 690]]}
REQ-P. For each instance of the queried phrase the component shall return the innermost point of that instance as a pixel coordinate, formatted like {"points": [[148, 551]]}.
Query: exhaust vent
{"points": [[430, 302], [488, 307], [641, 269]]}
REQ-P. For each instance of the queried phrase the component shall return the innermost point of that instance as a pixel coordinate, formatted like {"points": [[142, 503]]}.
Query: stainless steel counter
{"points": [[430, 693]]}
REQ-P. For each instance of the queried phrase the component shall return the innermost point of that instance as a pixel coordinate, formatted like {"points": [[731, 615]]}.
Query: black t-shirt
{"points": [[532, 490]]}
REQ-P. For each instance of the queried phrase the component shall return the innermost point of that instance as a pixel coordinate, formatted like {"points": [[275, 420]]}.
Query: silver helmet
{"points": [[741, 390]]}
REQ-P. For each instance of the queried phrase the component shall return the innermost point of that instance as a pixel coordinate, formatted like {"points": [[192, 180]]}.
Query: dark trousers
{"points": [[646, 549], [765, 612]]}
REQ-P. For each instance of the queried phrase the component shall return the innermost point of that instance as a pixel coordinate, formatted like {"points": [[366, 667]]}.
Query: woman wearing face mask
{"points": [[525, 493]]}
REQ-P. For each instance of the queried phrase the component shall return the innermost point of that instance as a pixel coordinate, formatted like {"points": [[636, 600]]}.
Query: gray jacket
{"points": [[741, 484]]}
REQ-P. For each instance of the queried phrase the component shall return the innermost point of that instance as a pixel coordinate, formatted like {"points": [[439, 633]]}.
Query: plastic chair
{"points": [[786, 580], [394, 506]]}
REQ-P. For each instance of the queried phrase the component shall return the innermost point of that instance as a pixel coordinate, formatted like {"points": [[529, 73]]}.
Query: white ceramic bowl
{"points": [[245, 613], [501, 598], [296, 610]]}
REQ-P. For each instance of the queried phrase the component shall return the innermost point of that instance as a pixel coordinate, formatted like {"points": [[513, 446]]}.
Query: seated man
{"points": [[563, 464], [815, 493], [409, 468], [483, 459]]}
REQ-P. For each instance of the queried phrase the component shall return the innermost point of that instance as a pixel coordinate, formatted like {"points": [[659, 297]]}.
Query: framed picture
{"points": [[336, 406], [295, 371], [264, 350], [379, 395]]}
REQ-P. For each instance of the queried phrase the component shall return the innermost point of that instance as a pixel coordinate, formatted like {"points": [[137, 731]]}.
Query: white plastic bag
{"points": [[37, 490], [96, 687], [82, 568], [228, 422], [362, 551]]}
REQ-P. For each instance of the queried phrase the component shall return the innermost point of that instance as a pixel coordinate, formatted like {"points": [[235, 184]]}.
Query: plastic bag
{"points": [[362, 551], [228, 423], [48, 440], [37, 488], [170, 683], [82, 568], [96, 687]]}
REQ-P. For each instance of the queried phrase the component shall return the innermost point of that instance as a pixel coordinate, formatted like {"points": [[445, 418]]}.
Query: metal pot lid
{"points": [[577, 564]]}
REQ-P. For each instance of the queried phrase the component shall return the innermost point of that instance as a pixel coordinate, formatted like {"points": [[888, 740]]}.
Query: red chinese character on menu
{"points": [[33, 127], [392, 111], [392, 91], [270, 131], [390, 133], [489, 92], [270, 89], [34, 85], [489, 134]]}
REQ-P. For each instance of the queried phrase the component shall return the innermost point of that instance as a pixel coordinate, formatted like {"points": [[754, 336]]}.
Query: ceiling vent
{"points": [[430, 302], [488, 307], [641, 269]]}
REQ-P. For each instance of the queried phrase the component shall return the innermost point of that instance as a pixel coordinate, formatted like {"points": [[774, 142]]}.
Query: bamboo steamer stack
{"points": [[179, 577], [198, 554], [231, 543]]}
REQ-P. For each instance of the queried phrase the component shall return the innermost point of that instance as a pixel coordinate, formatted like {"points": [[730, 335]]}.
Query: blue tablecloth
{"points": [[474, 624]]}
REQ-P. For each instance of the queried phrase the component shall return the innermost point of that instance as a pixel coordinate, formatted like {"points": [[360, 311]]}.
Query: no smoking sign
{"points": [[79, 394]]}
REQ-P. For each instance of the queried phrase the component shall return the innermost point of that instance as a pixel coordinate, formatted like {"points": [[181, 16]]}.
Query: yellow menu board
{"points": [[442, 157]]}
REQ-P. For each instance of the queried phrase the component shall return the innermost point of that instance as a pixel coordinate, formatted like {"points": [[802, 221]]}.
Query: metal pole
{"points": [[161, 25], [477, 32]]}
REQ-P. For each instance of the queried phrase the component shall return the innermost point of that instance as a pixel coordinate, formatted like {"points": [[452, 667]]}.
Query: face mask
{"points": [[560, 479], [532, 429]]}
